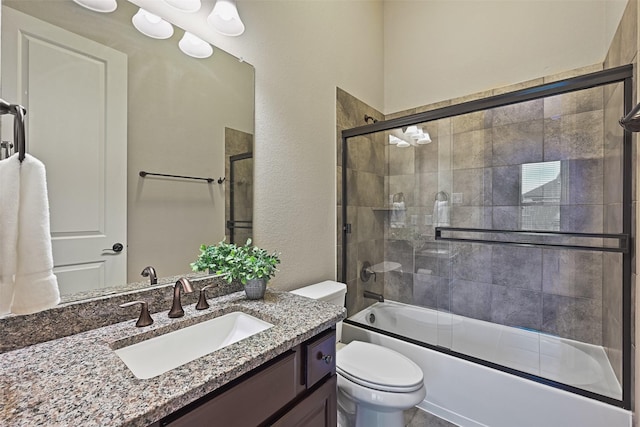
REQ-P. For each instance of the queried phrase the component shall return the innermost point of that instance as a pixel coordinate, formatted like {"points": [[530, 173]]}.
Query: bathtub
{"points": [[473, 395]]}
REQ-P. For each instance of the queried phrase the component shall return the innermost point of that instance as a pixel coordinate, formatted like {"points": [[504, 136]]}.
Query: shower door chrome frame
{"points": [[623, 74]]}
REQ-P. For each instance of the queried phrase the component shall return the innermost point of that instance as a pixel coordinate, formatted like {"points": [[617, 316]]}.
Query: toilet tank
{"points": [[328, 291]]}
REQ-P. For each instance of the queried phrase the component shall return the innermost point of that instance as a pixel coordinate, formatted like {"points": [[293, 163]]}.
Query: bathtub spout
{"points": [[373, 295]]}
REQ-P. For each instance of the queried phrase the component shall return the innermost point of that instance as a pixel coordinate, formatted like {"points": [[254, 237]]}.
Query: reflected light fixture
{"points": [[398, 142], [424, 138], [102, 6], [152, 25], [224, 18], [194, 46], [416, 133], [185, 5], [412, 131]]}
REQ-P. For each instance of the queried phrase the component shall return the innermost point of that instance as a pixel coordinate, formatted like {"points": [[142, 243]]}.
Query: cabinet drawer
{"points": [[321, 358], [249, 403]]}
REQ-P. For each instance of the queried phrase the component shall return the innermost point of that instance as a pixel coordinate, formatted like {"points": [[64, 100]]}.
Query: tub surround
{"points": [[79, 380]]}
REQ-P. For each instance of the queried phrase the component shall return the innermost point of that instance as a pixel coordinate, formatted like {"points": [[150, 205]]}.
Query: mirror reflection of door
{"points": [[79, 131], [238, 186]]}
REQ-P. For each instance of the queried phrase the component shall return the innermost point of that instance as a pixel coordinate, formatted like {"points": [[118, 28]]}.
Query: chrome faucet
{"points": [[176, 307], [373, 295], [150, 272]]}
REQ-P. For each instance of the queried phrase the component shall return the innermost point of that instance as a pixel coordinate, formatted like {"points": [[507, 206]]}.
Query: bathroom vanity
{"points": [[297, 388], [282, 376]]}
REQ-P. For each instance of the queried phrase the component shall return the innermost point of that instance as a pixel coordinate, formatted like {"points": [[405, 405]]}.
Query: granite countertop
{"points": [[79, 380]]}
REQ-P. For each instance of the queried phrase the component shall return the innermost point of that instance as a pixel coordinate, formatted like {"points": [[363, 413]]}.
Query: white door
{"points": [[75, 93]]}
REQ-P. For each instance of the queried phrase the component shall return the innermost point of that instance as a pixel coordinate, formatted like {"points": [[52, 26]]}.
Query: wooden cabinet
{"points": [[297, 388], [316, 410]]}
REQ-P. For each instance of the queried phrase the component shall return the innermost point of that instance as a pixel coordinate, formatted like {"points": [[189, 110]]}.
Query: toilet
{"points": [[375, 384]]}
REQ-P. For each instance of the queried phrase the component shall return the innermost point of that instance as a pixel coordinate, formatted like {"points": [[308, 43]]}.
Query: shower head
{"points": [[631, 121], [368, 118]]}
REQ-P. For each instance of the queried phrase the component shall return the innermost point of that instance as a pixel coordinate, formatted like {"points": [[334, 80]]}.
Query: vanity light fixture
{"points": [[194, 46], [152, 25], [102, 6], [185, 5], [224, 18]]}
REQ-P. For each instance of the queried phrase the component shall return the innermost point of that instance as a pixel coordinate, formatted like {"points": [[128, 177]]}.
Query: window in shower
{"points": [[540, 190], [503, 239]]}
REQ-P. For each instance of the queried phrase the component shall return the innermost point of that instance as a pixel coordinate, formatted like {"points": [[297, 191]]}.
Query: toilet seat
{"points": [[378, 368]]}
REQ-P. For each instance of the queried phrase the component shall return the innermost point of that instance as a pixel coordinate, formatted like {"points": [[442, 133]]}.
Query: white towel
{"points": [[35, 287], [398, 215], [441, 215], [9, 200]]}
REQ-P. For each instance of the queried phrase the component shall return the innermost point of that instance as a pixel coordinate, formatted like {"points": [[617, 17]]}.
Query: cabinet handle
{"points": [[326, 357]]}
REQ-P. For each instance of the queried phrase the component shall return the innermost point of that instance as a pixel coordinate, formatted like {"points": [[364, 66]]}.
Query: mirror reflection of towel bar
{"points": [[144, 174]]}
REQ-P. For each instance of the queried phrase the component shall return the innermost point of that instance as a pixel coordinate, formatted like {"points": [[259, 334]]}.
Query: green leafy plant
{"points": [[242, 263]]}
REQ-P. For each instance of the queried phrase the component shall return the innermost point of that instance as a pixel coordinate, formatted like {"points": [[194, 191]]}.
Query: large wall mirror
{"points": [[105, 102]]}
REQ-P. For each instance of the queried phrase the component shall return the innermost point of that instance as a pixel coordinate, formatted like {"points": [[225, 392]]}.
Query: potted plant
{"points": [[250, 265]]}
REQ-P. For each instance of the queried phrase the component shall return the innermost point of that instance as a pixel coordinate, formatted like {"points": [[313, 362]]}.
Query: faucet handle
{"points": [[202, 300], [145, 318], [150, 272]]}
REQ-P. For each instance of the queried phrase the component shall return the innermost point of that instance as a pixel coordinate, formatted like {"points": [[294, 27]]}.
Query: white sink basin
{"points": [[155, 356]]}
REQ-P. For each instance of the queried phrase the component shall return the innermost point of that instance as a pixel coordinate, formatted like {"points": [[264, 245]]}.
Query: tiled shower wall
{"points": [[623, 50], [366, 172], [476, 159], [549, 290]]}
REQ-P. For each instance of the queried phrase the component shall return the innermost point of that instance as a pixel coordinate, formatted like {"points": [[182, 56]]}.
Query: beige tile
{"points": [[629, 32], [516, 113], [403, 184], [426, 189], [434, 106], [350, 111], [573, 73], [402, 113], [575, 136], [470, 183], [574, 102], [468, 122], [517, 143], [518, 86], [472, 97], [400, 160], [468, 149]]}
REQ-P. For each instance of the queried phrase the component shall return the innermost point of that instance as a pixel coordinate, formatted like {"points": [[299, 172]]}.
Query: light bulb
{"points": [[224, 18], [102, 6], [189, 6], [152, 25], [195, 46]]}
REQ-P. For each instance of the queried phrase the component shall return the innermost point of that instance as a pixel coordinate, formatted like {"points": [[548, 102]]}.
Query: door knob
{"points": [[117, 247]]}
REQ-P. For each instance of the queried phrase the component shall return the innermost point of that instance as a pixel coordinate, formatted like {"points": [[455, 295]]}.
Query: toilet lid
{"points": [[379, 368]]}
